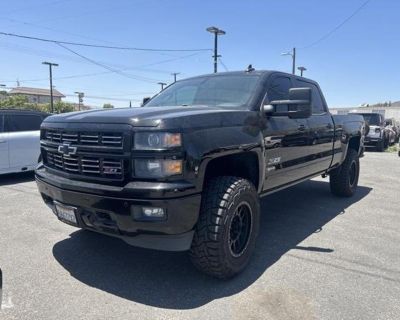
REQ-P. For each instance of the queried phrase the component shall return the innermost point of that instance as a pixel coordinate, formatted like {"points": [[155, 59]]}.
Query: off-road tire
{"points": [[344, 179], [213, 250]]}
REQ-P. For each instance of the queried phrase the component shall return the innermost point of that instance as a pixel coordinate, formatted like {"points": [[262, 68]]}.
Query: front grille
{"points": [[101, 155], [91, 166], [110, 139]]}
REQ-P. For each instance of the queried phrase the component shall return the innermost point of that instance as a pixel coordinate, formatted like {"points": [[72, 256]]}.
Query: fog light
{"points": [[151, 212], [140, 213]]}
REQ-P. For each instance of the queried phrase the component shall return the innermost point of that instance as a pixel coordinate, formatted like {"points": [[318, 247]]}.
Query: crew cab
{"points": [[186, 170], [19, 140]]}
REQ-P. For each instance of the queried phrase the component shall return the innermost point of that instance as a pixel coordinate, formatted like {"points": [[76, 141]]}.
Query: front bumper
{"points": [[372, 141], [109, 209]]}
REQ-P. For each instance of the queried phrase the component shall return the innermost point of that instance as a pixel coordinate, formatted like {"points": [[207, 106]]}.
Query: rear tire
{"points": [[344, 179], [227, 229]]}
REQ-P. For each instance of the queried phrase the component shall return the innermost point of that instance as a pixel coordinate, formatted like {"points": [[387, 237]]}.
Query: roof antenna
{"points": [[250, 68]]}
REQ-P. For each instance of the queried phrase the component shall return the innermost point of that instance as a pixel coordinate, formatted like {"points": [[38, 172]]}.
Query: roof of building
{"points": [[35, 91]]}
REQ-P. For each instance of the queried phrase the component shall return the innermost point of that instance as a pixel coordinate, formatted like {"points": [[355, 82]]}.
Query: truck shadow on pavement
{"points": [[168, 280], [15, 178]]}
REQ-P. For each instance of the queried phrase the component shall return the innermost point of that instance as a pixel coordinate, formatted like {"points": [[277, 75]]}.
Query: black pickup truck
{"points": [[186, 170]]}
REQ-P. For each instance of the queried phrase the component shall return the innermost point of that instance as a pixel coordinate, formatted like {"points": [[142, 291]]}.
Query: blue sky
{"points": [[358, 63]]}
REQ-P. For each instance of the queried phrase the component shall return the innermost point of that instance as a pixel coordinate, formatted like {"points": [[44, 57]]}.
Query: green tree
{"points": [[21, 102], [62, 107], [108, 106]]}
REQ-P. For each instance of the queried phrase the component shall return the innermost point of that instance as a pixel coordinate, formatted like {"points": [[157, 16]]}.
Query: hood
{"points": [[147, 116]]}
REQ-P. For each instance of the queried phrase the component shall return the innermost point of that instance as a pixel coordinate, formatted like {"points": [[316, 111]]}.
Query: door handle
{"points": [[302, 127], [2, 141]]}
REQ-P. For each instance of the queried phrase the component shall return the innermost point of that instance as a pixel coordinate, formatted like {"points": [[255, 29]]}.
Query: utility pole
{"points": [[302, 69], [293, 55], [217, 32], [50, 64], [162, 84], [175, 74], [80, 99]]}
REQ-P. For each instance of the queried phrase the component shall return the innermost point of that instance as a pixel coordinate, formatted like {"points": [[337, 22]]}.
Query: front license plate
{"points": [[66, 213]]}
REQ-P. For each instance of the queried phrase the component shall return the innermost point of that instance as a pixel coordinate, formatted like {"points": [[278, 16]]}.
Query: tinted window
{"points": [[23, 122], [1, 123], [372, 118], [279, 90], [317, 103], [219, 91]]}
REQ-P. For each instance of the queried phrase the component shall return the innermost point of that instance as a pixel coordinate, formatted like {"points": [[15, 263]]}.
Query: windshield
{"points": [[372, 118], [214, 91]]}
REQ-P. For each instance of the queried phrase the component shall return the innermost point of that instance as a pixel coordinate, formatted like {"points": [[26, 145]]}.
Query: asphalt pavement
{"points": [[317, 257]]}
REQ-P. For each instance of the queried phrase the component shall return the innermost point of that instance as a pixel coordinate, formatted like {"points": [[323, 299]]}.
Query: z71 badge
{"points": [[273, 161]]}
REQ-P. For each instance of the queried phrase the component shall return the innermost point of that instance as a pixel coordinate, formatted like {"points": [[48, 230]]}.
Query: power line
{"points": [[107, 67], [97, 45], [327, 35], [51, 29], [108, 72]]}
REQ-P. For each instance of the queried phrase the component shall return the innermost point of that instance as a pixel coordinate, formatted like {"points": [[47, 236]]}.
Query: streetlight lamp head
{"points": [[216, 30], [286, 54], [50, 63]]}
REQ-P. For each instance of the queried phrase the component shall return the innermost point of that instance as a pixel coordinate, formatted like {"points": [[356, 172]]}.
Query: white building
{"points": [[389, 112]]}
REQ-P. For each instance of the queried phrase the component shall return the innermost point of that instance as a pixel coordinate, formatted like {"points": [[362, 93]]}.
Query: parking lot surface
{"points": [[317, 257]]}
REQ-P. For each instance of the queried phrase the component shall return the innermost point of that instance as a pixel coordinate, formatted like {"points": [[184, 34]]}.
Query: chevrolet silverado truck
{"points": [[185, 172]]}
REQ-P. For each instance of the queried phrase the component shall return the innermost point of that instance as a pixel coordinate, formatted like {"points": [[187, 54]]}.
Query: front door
{"points": [[24, 139]]}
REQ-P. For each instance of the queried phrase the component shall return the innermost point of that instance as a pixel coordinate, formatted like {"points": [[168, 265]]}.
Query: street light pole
{"points": [[175, 74], [80, 99], [302, 69], [293, 55], [162, 84], [217, 32], [51, 83]]}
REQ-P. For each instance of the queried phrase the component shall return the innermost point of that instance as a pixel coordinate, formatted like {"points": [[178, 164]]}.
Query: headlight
{"points": [[157, 140], [157, 168]]}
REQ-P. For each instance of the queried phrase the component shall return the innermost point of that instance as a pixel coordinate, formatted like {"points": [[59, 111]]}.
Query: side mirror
{"points": [[298, 105]]}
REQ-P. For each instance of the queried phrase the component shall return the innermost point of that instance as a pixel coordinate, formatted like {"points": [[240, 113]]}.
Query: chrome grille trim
{"points": [[98, 167]]}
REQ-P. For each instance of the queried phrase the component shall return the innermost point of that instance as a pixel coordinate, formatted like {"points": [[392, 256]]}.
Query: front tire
{"points": [[344, 179], [227, 229]]}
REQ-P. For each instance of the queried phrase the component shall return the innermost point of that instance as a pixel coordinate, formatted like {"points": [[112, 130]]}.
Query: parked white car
{"points": [[19, 140]]}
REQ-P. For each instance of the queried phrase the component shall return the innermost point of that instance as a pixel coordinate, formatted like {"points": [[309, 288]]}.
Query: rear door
{"points": [[4, 162], [322, 129], [24, 139], [285, 139]]}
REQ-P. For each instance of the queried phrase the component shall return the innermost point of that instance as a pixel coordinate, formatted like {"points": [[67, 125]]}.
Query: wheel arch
{"points": [[246, 165]]}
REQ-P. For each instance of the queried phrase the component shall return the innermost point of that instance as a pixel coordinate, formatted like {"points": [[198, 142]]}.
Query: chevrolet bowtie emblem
{"points": [[66, 149]]}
